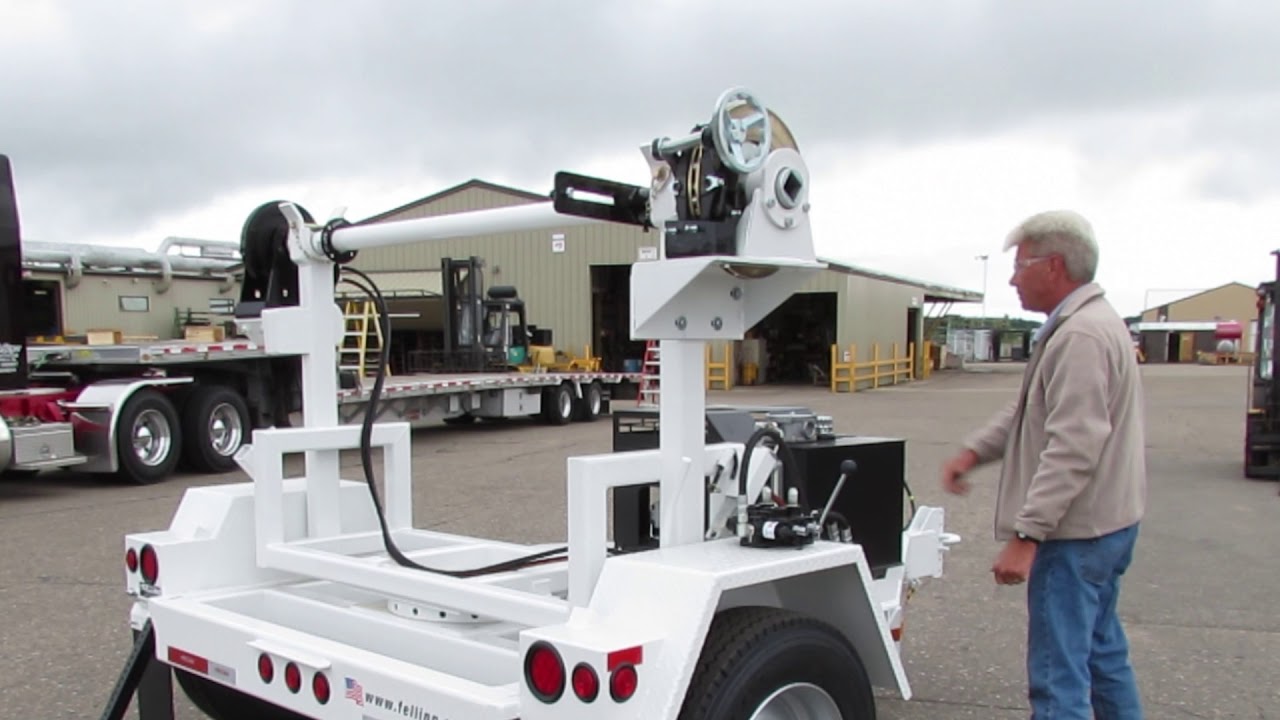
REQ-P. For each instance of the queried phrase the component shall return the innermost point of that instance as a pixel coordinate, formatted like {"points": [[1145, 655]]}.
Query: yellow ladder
{"points": [[360, 353]]}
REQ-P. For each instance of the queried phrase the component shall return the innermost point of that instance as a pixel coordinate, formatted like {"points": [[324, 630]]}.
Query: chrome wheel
{"points": [[226, 431], [798, 701], [152, 437], [566, 404]]}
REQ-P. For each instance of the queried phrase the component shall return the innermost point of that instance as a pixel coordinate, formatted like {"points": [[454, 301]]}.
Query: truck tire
{"points": [[766, 662], [558, 404], [589, 407], [215, 423], [148, 438]]}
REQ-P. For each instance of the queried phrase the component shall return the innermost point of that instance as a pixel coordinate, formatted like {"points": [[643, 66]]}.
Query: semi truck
{"points": [[143, 410], [316, 597]]}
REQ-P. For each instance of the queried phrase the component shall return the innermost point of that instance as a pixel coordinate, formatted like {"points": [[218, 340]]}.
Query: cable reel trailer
{"points": [[316, 597]]}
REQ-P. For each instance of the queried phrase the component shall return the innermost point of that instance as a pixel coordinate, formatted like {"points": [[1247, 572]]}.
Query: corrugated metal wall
{"points": [[94, 304], [1234, 301], [551, 270]]}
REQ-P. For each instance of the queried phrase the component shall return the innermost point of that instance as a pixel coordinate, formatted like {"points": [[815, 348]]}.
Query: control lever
{"points": [[847, 468]]}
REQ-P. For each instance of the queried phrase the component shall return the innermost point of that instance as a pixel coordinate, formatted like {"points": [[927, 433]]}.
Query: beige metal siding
{"points": [[94, 304], [1235, 301], [555, 285]]}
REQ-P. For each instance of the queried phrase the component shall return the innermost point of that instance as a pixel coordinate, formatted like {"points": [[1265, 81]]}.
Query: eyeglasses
{"points": [[1028, 262]]}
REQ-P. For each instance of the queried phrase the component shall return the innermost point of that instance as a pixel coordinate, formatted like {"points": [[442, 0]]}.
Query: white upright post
{"points": [[682, 437], [320, 395]]}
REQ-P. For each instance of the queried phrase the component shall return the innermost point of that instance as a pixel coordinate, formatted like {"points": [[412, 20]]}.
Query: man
{"points": [[1073, 481]]}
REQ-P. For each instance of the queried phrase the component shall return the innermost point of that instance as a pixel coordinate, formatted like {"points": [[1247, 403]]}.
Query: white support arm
{"points": [[534, 216]]}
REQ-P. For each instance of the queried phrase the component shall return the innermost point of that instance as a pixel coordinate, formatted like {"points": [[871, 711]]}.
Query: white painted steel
{"points": [[295, 568]]}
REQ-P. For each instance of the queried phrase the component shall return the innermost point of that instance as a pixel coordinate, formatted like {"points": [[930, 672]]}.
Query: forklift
{"points": [[484, 332], [1262, 421]]}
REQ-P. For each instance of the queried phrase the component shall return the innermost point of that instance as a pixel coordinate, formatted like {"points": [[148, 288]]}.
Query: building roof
{"points": [[932, 291], [471, 184], [1184, 298]]}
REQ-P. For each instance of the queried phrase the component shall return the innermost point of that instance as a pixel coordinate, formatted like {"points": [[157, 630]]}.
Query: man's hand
{"points": [[1013, 564], [954, 470]]}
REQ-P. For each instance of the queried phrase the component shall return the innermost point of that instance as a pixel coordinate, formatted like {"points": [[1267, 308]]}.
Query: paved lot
{"points": [[1199, 602]]}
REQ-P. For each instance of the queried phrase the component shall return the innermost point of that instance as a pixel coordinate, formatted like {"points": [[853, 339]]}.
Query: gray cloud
{"points": [[135, 110]]}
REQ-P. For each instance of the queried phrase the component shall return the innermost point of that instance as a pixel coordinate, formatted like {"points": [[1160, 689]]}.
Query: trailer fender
{"points": [[96, 415], [655, 609]]}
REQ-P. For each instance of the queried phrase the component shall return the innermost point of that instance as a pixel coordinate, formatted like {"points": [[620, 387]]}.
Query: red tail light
{"points": [[266, 668], [544, 672], [292, 677], [150, 565], [623, 683], [131, 560], [586, 684], [320, 686]]}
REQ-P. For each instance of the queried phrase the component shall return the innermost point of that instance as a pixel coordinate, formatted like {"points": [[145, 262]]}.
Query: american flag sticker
{"points": [[355, 691]]}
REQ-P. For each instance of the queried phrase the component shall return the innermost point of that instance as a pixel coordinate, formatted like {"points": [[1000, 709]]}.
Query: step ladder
{"points": [[649, 371], [361, 349]]}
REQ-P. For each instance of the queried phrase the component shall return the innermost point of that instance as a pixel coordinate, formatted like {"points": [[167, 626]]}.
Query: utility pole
{"points": [[983, 258]]}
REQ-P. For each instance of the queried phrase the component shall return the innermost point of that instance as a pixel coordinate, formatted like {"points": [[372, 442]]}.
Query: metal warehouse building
{"points": [[575, 283], [1180, 330]]}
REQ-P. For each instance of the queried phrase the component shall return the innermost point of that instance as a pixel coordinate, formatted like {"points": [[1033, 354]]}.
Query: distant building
{"points": [[1178, 331]]}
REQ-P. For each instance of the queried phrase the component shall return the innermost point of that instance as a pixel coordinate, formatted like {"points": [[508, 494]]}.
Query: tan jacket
{"points": [[1073, 442]]}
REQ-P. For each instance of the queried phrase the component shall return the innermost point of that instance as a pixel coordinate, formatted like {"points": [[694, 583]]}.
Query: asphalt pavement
{"points": [[1198, 602]]}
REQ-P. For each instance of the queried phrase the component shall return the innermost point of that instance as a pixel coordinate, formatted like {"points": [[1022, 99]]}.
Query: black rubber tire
{"points": [[198, 453], [589, 407], [558, 404], [752, 652], [132, 468], [220, 702]]}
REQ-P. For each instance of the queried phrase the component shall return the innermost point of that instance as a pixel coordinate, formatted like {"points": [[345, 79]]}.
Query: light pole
{"points": [[983, 258]]}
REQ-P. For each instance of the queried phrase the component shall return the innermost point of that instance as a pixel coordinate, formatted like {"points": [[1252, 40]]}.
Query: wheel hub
{"points": [[151, 438], [225, 429], [798, 701]]}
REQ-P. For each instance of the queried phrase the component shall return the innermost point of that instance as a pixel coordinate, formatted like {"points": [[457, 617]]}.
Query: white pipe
{"points": [[121, 257], [517, 218]]}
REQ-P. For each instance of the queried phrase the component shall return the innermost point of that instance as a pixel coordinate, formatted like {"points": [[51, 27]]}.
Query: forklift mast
{"points": [[13, 335], [463, 289], [1262, 425]]}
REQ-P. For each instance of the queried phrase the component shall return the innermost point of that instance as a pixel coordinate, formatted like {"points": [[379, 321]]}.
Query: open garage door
{"points": [[795, 338]]}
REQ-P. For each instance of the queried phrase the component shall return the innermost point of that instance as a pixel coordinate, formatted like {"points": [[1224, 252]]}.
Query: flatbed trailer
{"points": [[142, 410]]}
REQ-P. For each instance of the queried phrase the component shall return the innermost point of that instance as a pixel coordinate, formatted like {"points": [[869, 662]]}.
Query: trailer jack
{"points": [[150, 680]]}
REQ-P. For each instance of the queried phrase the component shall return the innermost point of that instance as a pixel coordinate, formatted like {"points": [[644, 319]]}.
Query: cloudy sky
{"points": [[930, 128]]}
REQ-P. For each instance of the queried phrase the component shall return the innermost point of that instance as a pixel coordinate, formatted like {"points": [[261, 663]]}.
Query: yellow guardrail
{"points": [[847, 372]]}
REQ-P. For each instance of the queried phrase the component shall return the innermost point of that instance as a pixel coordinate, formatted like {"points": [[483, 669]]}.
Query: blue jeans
{"points": [[1077, 653]]}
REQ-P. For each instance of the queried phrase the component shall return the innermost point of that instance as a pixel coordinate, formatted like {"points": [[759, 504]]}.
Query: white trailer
{"points": [[143, 410], [316, 597]]}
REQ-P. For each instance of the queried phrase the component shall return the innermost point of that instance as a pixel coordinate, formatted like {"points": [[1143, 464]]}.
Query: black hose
{"points": [[366, 452]]}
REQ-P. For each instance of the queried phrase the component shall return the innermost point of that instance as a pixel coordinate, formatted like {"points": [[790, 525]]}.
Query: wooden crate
{"points": [[104, 337], [204, 333]]}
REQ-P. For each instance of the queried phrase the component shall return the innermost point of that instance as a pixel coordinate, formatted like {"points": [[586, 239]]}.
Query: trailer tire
{"points": [[220, 702], [149, 418], [589, 407], [558, 404], [215, 424], [758, 657]]}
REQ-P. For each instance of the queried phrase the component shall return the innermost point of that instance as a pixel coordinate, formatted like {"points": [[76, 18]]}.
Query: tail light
{"points": [[623, 683], [131, 560], [320, 686], [586, 684], [150, 564], [266, 668], [544, 672], [292, 677]]}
